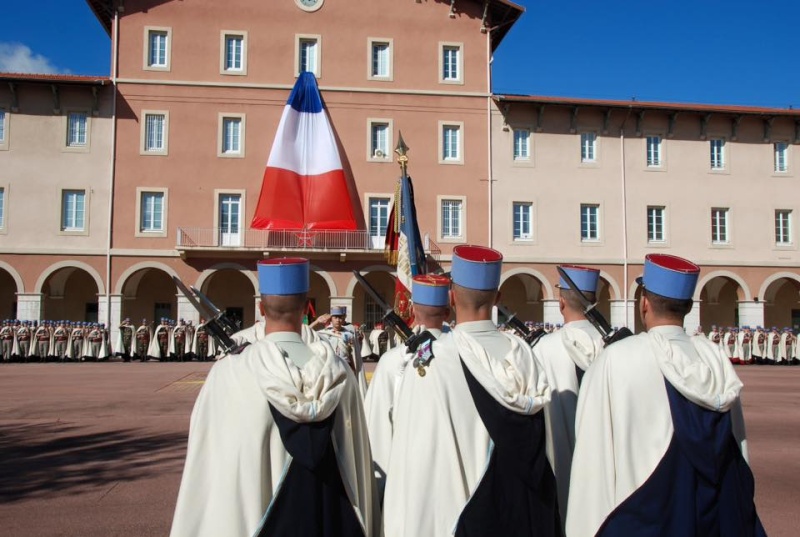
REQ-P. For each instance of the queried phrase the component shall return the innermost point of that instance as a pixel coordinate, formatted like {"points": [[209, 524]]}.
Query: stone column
{"points": [[751, 314], [29, 306], [109, 311], [620, 314], [346, 301], [692, 320], [186, 311], [551, 312]]}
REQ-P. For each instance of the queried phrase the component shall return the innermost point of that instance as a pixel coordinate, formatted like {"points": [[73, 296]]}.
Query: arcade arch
{"points": [[720, 294], [70, 292], [781, 296], [10, 285], [148, 292]]}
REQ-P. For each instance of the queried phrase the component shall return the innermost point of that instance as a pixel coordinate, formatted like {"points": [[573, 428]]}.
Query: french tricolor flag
{"points": [[304, 185]]}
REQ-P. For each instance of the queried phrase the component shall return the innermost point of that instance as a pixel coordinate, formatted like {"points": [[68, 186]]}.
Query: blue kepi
{"points": [[283, 276]]}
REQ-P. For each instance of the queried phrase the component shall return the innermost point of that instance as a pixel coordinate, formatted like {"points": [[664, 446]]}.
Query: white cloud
{"points": [[17, 58]]}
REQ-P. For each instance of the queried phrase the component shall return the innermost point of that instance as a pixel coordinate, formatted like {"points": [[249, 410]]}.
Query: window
{"points": [[231, 135], [781, 157], [655, 224], [654, 151], [379, 141], [157, 48], [451, 63], [719, 226], [523, 221], [2, 208], [588, 147], [451, 218], [451, 143], [308, 54], [378, 216], [234, 53], [73, 210], [3, 127], [717, 146], [151, 212], [77, 135], [380, 59], [522, 144], [154, 132], [230, 219], [590, 223], [783, 227]]}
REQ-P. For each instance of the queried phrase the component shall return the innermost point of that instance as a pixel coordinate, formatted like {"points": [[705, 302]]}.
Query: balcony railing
{"points": [[288, 240]]}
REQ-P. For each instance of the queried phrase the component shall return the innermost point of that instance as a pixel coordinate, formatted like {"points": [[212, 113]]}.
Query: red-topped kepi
{"points": [[585, 278], [283, 276], [430, 290], [476, 267], [669, 276]]}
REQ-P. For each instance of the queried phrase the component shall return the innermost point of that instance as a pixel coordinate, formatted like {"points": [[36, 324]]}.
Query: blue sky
{"points": [[741, 52]]}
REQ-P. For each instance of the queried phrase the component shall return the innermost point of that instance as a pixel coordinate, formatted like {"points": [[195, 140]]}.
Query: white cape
{"points": [[578, 343], [440, 447], [236, 461], [624, 424]]}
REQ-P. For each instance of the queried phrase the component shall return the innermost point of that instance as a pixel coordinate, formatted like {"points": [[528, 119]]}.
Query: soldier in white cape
{"points": [[431, 308], [566, 355], [270, 426], [633, 471], [446, 468]]}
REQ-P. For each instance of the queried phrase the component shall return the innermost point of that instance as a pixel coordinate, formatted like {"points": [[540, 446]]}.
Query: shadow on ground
{"points": [[53, 459]]}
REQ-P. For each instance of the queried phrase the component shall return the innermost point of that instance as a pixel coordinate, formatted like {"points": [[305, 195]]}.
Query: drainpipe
{"points": [[112, 171], [489, 60]]}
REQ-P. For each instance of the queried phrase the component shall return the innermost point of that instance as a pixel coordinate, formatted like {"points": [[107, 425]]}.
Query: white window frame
{"points": [[223, 52], [777, 166], [448, 45], [585, 157], [63, 229], [148, 30], [140, 192], [718, 158], [518, 156], [598, 224], [4, 123], [218, 193], [784, 227], [526, 206], [223, 116], [143, 136], [299, 39], [371, 123], [3, 209], [78, 148], [378, 197], [372, 42], [720, 225], [651, 164], [652, 239], [462, 237], [459, 125]]}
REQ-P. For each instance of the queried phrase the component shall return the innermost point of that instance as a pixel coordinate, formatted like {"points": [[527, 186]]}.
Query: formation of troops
{"points": [[81, 341], [760, 346], [471, 430]]}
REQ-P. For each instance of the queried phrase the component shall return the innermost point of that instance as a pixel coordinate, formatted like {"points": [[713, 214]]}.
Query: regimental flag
{"points": [[403, 244], [304, 185]]}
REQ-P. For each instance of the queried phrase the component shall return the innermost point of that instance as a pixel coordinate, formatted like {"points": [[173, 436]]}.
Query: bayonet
{"points": [[418, 344], [213, 324], [608, 334], [531, 337]]}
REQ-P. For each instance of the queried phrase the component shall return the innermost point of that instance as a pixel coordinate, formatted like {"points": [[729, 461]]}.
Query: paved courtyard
{"points": [[92, 449]]}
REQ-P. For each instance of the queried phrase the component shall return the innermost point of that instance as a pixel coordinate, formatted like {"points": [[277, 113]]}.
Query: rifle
{"points": [[218, 324], [419, 344], [608, 334], [531, 337]]}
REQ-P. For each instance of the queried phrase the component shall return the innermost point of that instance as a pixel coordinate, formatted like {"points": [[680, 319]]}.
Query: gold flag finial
{"points": [[402, 150]]}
